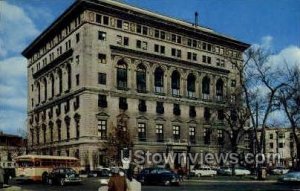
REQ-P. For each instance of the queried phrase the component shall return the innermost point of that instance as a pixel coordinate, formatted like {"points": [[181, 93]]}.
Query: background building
{"points": [[102, 61]]}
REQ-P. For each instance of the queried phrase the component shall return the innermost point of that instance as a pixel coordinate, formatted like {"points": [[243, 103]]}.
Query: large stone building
{"points": [[103, 60]]}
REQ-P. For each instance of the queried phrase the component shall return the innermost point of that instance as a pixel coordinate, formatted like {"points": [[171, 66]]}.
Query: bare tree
{"points": [[289, 97], [118, 140]]}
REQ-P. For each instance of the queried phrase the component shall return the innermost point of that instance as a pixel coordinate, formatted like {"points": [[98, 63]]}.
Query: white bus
{"points": [[37, 167]]}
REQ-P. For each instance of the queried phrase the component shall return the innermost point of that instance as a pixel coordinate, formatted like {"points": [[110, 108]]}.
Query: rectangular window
{"points": [[98, 18], [204, 46], [102, 78], [105, 20], [159, 133], [123, 103], [126, 41], [119, 23], [139, 29], [218, 61], [162, 49], [101, 35], [194, 43], [189, 55], [179, 39], [162, 35], [206, 134], [176, 132], [138, 44], [145, 30], [156, 33], [271, 145], [144, 45], [77, 37], [173, 38], [102, 102], [209, 47], [142, 131], [102, 129], [156, 48], [192, 134], [281, 145], [102, 58], [77, 79], [189, 43]]}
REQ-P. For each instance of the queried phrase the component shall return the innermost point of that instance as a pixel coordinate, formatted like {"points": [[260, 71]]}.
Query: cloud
{"points": [[12, 121], [16, 29]]}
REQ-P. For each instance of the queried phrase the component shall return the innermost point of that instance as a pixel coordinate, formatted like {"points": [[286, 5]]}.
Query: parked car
{"points": [[239, 171], [99, 172], [204, 171], [291, 177], [279, 171], [224, 171], [158, 176], [242, 171], [62, 176]]}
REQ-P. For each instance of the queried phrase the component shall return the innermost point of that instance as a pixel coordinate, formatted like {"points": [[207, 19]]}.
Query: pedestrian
{"points": [[116, 181], [132, 183], [180, 173]]}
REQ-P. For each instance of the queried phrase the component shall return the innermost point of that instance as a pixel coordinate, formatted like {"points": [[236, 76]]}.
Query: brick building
{"points": [[102, 59]]}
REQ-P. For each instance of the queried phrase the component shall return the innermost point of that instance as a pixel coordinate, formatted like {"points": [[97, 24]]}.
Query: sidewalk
{"points": [[10, 188], [229, 180]]}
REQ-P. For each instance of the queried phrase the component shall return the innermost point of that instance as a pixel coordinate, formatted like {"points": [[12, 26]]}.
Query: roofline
{"points": [[45, 157], [77, 3]]}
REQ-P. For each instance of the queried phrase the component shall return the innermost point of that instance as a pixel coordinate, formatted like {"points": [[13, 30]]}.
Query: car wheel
{"points": [[167, 183], [50, 182], [62, 182]]}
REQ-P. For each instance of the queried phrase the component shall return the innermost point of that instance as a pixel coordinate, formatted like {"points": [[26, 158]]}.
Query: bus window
{"points": [[37, 163], [25, 164]]}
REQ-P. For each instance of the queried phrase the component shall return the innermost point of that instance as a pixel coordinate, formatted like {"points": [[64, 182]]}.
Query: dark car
{"points": [[62, 176], [104, 172], [158, 176]]}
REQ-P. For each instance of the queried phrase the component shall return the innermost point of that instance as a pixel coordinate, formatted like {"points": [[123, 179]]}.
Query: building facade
{"points": [[10, 147], [102, 61]]}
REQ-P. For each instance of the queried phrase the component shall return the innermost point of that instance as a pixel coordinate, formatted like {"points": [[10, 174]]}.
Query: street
{"points": [[92, 184]]}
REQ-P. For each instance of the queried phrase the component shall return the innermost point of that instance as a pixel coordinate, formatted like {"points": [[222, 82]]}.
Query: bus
{"points": [[37, 167]]}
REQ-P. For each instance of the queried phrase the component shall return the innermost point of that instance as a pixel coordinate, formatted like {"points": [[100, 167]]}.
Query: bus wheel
{"points": [[62, 182], [45, 178]]}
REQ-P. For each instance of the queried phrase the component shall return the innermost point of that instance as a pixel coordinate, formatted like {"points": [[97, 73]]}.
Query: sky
{"points": [[274, 25]]}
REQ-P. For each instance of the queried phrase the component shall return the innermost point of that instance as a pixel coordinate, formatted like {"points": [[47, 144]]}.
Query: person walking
{"points": [[116, 181], [132, 184]]}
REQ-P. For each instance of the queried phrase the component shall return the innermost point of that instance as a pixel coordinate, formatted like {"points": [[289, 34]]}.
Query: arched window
{"points": [[122, 75], [159, 80], [51, 131], [191, 86], [44, 133], [52, 85], [175, 83], [45, 89], [67, 121], [69, 73], [59, 74], [39, 91], [141, 78], [58, 124], [77, 120], [219, 89], [205, 87]]}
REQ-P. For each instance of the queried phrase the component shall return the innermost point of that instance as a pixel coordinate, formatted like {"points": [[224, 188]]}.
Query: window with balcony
{"points": [[205, 88], [175, 83], [141, 78], [159, 133], [102, 102], [219, 90], [123, 103], [102, 129], [176, 109], [192, 135], [122, 75], [191, 81], [142, 106], [176, 132], [159, 80], [142, 131], [160, 107]]}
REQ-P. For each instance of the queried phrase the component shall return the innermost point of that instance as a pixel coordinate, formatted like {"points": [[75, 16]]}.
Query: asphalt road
{"points": [[92, 184]]}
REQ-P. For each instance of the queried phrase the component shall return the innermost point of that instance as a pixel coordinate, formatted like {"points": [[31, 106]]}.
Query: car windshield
{"points": [[70, 171], [162, 171]]}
